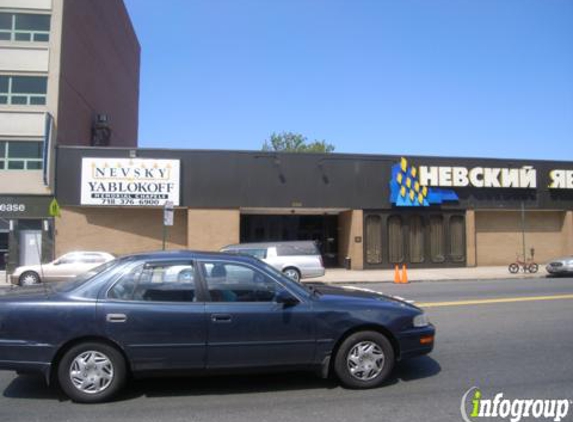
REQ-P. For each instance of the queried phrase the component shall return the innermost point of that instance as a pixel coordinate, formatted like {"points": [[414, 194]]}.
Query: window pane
{"points": [[237, 283], [437, 239], [16, 165], [416, 242], [3, 83], [6, 21], [457, 244], [37, 100], [36, 165], [2, 149], [19, 100], [168, 283], [3, 99], [42, 37], [25, 150], [373, 239], [32, 22], [29, 84], [26, 36], [5, 36], [395, 241], [124, 289], [1, 165]]}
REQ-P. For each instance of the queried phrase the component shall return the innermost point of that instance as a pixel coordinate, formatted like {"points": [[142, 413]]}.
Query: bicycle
{"points": [[529, 265]]}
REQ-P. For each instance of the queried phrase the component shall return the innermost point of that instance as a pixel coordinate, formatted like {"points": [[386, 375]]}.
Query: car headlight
{"points": [[421, 320], [570, 262]]}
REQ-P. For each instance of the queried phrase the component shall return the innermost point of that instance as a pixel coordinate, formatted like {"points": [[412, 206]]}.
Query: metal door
{"points": [[30, 247]]}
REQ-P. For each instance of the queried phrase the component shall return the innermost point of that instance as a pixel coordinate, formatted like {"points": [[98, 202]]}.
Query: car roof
{"points": [[271, 244], [184, 253]]}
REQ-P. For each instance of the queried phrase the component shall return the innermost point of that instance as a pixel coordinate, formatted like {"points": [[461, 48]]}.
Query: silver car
{"points": [[560, 266], [297, 260], [65, 267]]}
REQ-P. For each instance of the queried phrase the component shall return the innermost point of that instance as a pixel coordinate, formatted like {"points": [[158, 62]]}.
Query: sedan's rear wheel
{"points": [[364, 360], [91, 372], [29, 278], [292, 273]]}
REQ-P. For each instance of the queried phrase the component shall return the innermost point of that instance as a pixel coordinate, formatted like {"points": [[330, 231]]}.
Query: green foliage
{"points": [[295, 142]]}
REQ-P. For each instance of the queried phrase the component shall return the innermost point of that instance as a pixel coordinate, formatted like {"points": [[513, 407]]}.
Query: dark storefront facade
{"points": [[26, 231], [376, 210]]}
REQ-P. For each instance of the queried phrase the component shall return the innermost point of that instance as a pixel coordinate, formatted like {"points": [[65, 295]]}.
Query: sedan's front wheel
{"points": [[364, 360], [92, 372], [29, 278]]}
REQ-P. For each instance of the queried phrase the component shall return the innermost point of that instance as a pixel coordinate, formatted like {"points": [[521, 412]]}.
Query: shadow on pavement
{"points": [[34, 387]]}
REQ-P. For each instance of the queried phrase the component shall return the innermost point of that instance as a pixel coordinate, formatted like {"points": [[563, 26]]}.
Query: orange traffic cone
{"points": [[397, 279], [404, 275]]}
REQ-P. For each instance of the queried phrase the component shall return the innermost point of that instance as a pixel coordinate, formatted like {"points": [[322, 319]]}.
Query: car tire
{"points": [[292, 273], [29, 278], [513, 268], [104, 372], [364, 360]]}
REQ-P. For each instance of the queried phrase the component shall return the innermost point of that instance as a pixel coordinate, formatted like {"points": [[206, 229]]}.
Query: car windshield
{"points": [[67, 286]]}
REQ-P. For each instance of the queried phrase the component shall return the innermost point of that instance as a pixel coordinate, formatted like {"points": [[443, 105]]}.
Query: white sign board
{"points": [[129, 182]]}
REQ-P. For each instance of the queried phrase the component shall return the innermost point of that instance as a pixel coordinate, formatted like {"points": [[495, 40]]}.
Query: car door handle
{"points": [[116, 317], [221, 318]]}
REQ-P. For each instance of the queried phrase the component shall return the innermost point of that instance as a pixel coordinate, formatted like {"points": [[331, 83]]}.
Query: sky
{"points": [[467, 78]]}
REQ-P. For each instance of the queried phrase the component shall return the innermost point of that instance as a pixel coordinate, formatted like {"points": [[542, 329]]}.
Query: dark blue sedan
{"points": [[181, 311]]}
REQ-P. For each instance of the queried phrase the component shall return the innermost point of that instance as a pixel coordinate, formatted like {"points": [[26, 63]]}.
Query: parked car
{"points": [[65, 267], [222, 312], [297, 260], [560, 266]]}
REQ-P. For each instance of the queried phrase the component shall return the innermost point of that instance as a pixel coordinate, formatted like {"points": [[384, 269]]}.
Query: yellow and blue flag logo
{"points": [[407, 191]]}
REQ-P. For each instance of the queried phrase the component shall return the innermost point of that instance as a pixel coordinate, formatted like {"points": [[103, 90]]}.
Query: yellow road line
{"points": [[490, 301]]}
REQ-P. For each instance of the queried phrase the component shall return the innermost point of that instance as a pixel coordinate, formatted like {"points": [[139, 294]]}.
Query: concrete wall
{"points": [[471, 257], [350, 224], [211, 229], [119, 231], [99, 72], [23, 59], [499, 235], [26, 4]]}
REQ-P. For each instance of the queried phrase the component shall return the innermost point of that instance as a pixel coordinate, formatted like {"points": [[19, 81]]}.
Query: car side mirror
{"points": [[286, 299], [57, 262]]}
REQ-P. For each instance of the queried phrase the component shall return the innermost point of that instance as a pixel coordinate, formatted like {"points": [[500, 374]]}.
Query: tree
{"points": [[295, 142]]}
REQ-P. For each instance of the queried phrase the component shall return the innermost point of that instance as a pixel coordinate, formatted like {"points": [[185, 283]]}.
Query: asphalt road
{"points": [[522, 349]]}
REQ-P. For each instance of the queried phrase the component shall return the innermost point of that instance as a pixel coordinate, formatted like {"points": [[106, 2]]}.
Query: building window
{"points": [[416, 239], [23, 90], [21, 155], [437, 238], [373, 239], [395, 240], [457, 238], [24, 27]]}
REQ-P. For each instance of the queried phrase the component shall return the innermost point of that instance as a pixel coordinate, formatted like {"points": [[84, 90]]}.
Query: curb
{"points": [[422, 280]]}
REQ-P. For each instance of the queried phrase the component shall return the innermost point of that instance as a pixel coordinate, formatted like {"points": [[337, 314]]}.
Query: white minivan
{"points": [[297, 259]]}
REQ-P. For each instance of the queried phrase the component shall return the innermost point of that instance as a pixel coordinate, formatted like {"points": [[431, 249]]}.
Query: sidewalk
{"points": [[339, 275]]}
